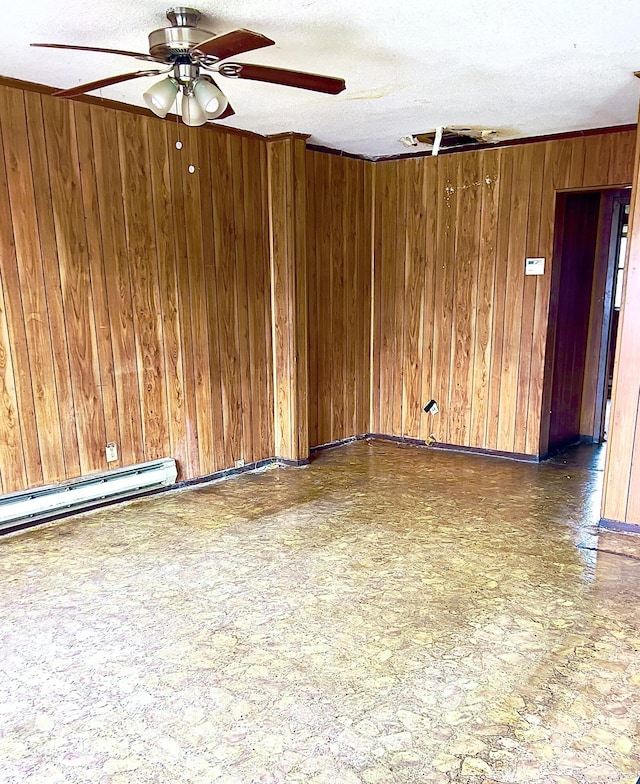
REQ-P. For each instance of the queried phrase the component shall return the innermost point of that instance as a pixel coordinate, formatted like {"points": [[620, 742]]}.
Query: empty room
{"points": [[319, 393]]}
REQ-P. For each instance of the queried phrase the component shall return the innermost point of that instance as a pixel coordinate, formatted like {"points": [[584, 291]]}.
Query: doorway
{"points": [[589, 253]]}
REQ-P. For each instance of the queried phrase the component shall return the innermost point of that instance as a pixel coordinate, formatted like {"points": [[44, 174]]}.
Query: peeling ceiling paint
{"points": [[545, 67]]}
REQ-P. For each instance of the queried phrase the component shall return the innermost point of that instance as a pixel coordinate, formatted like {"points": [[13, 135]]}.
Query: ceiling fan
{"points": [[188, 50]]}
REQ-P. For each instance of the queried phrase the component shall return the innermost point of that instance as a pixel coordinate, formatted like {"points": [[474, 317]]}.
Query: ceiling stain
{"points": [[377, 92]]}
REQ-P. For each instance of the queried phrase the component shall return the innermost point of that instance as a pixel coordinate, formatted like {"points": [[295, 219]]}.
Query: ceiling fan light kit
{"points": [[161, 95], [192, 112], [210, 97], [188, 50]]}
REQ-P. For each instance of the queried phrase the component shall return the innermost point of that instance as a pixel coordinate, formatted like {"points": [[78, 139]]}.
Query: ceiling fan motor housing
{"points": [[168, 43]]}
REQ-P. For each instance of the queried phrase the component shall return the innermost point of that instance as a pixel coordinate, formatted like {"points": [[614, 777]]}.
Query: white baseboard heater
{"points": [[40, 503]]}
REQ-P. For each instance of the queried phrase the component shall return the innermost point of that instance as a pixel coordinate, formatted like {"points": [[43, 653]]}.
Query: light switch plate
{"points": [[534, 266], [111, 451]]}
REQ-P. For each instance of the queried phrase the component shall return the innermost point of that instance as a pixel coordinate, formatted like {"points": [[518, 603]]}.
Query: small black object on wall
{"points": [[431, 407]]}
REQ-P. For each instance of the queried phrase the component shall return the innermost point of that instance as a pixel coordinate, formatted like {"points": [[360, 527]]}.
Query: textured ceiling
{"points": [[523, 69]]}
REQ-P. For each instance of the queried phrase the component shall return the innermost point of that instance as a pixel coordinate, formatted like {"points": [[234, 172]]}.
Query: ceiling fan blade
{"points": [[87, 88], [137, 55], [228, 112], [230, 44], [301, 79]]}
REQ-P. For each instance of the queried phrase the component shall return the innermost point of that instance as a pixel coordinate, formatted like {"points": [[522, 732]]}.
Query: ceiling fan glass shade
{"points": [[210, 97], [161, 95], [192, 112]]}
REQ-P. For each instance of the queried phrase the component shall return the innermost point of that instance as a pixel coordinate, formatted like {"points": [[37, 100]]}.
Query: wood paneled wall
{"points": [[455, 318], [137, 299], [134, 295], [287, 232], [339, 220], [621, 501]]}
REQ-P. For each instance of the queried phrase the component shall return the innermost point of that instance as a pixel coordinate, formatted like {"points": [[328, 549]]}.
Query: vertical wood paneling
{"points": [[388, 272], [253, 202], [30, 284], [136, 189], [621, 499], [136, 296], [118, 283], [530, 293], [320, 227], [98, 288], [12, 473], [484, 301], [338, 227], [427, 216], [51, 268], [484, 324], [364, 297], [225, 265], [110, 308], [465, 262], [20, 453], [415, 270], [164, 218], [352, 208], [300, 316], [287, 233], [73, 258], [338, 290], [398, 272]]}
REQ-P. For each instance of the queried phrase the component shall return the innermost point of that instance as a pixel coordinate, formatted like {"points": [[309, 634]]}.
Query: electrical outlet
{"points": [[111, 451], [431, 407], [239, 463]]}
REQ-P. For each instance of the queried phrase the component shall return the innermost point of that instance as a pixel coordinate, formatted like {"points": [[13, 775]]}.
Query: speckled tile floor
{"points": [[387, 615]]}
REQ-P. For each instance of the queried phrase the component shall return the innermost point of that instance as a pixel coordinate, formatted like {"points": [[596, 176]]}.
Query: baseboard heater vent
{"points": [[40, 503]]}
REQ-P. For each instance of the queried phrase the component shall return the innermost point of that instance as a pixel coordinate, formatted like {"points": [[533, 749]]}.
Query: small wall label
{"points": [[534, 266]]}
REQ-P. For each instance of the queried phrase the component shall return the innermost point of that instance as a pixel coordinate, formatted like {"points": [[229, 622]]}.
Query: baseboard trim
{"points": [[618, 526], [518, 456], [333, 444], [396, 439]]}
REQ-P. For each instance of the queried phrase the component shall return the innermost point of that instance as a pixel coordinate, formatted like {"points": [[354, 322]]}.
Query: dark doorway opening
{"points": [[590, 246]]}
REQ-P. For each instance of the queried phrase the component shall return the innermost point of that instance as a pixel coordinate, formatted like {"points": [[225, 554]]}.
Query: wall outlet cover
{"points": [[111, 451]]}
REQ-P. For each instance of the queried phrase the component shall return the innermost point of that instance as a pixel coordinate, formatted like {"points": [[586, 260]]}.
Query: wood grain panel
{"points": [[257, 263], [415, 270], [30, 283], [137, 302], [51, 269], [339, 273], [287, 219], [622, 472], [465, 307], [77, 296], [427, 216], [448, 179], [530, 293], [165, 216], [104, 350], [109, 296], [12, 474], [136, 189], [485, 326], [118, 283], [338, 229], [484, 302]]}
